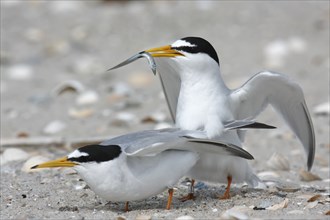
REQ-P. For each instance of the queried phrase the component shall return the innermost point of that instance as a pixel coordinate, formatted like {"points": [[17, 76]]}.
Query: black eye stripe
{"points": [[97, 153], [200, 45]]}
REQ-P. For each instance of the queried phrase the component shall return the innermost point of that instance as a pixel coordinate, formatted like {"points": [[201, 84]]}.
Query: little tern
{"points": [[198, 99], [138, 165]]}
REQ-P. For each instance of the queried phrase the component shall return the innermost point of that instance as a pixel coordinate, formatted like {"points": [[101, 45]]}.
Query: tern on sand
{"points": [[198, 99]]}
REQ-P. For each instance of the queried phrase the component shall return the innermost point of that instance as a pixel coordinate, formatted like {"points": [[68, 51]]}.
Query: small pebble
{"points": [[311, 205], [122, 89], [295, 212], [297, 44], [124, 119], [143, 217], [35, 160], [287, 186], [275, 53], [87, 98], [20, 72], [54, 127], [163, 125], [87, 65], [184, 217], [80, 113], [308, 176], [322, 109], [266, 174], [13, 154]]}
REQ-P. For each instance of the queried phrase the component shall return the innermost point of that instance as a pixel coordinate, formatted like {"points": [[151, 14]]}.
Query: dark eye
{"points": [[97, 153]]}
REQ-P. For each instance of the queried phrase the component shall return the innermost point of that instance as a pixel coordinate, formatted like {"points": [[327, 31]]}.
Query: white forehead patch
{"points": [[77, 153], [182, 43]]}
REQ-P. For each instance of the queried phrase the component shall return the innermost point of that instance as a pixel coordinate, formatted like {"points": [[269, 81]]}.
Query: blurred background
{"points": [[56, 91], [54, 57]]}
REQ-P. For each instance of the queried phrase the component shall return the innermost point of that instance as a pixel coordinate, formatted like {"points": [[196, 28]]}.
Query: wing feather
{"points": [[287, 99]]}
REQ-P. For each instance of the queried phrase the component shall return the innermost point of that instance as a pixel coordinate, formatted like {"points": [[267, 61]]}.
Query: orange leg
{"points": [[169, 200], [226, 195], [190, 195], [126, 207]]}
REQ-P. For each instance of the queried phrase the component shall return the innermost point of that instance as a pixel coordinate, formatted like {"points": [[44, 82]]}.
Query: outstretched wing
{"points": [[285, 96]]}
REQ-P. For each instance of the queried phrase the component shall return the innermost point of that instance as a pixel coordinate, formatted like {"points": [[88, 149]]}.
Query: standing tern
{"points": [[198, 99], [138, 165]]}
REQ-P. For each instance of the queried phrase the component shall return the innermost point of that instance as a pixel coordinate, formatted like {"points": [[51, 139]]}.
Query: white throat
{"points": [[202, 95]]}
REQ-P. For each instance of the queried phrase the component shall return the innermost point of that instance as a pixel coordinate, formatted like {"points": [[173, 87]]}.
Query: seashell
{"points": [[32, 162], [184, 217], [275, 53], [54, 127], [280, 205], [295, 212], [58, 47], [22, 134], [87, 98], [80, 186], [265, 174], [163, 125], [308, 176], [287, 186], [121, 218], [143, 217], [297, 44], [122, 89], [322, 109], [20, 72], [314, 198], [278, 162], [154, 118], [13, 154], [68, 86], [124, 119], [87, 65], [81, 113], [237, 212], [311, 205]]}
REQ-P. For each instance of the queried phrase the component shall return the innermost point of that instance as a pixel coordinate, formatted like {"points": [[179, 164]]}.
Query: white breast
{"points": [[137, 178]]}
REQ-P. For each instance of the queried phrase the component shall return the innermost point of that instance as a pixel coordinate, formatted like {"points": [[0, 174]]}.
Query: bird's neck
{"points": [[201, 101]]}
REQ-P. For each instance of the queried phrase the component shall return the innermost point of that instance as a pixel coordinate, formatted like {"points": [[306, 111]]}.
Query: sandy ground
{"points": [[46, 44]]}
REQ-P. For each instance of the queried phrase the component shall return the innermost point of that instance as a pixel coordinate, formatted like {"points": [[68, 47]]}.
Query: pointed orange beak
{"points": [[164, 51], [61, 162]]}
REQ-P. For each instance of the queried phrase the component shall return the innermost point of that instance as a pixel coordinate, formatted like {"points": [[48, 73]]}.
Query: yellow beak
{"points": [[164, 51], [61, 162]]}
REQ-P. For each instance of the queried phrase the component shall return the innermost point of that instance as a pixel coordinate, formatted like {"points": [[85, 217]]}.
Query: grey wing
{"points": [[194, 141], [171, 84], [140, 138], [285, 96]]}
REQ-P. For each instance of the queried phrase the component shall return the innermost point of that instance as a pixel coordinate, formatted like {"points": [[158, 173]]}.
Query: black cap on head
{"points": [[200, 46], [97, 153]]}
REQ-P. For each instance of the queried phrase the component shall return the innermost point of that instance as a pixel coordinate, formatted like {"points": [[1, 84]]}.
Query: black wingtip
{"points": [[258, 125]]}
